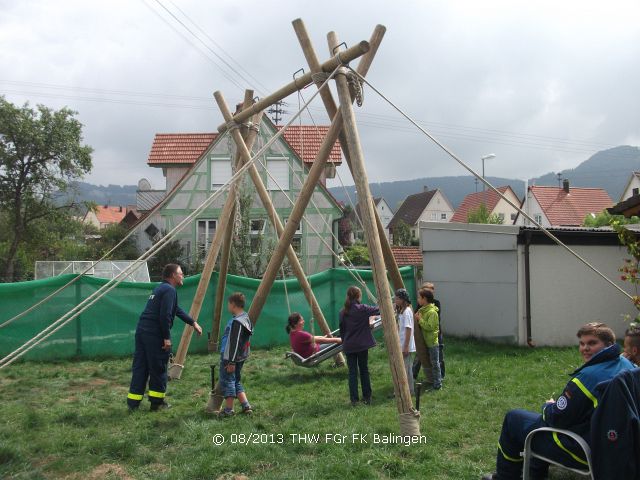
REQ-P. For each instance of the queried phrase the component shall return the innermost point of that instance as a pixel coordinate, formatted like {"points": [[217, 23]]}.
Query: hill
{"points": [[609, 169], [106, 195], [455, 188]]}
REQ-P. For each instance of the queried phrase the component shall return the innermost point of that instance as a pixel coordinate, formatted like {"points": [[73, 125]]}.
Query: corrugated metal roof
{"points": [[147, 199]]}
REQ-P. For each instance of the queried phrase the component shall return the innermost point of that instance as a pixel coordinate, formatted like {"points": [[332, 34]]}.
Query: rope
{"points": [[98, 294], [356, 83], [494, 189], [133, 229], [286, 291], [351, 269]]}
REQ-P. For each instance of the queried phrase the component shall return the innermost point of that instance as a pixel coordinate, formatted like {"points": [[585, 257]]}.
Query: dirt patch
{"points": [[109, 470], [85, 386], [232, 476]]}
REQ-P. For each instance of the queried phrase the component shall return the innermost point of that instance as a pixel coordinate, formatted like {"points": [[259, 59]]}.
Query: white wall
{"points": [[502, 207], [433, 212], [634, 183], [173, 176], [533, 208], [565, 294]]}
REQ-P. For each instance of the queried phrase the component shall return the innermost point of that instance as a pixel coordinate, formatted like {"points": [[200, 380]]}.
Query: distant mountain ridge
{"points": [[609, 169]]}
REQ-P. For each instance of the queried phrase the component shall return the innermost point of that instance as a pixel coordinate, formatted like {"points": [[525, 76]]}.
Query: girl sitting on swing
{"points": [[303, 343]]}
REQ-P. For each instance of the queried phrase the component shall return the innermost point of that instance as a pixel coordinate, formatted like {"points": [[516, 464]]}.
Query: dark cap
{"points": [[403, 295]]}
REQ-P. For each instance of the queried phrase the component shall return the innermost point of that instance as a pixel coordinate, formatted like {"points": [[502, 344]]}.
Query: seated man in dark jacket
{"points": [[571, 411]]}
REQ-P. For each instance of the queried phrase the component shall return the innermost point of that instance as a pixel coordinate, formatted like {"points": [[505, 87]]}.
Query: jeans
{"points": [[149, 364], [230, 383], [359, 361], [516, 426], [432, 369], [408, 367]]}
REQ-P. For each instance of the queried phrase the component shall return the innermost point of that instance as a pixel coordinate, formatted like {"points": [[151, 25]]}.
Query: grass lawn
{"points": [[69, 419]]}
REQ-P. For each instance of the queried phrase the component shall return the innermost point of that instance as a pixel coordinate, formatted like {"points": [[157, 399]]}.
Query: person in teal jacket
{"points": [[427, 317], [571, 411]]}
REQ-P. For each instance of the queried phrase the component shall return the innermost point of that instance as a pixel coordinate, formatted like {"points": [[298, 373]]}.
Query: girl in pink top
{"points": [[303, 343]]}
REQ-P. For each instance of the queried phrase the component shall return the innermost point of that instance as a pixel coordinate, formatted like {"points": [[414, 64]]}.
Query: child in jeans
{"points": [[427, 317], [234, 350]]}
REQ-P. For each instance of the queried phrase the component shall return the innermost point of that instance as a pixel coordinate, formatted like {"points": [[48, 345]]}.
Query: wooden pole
{"points": [[299, 83], [409, 419], [265, 198], [295, 217], [175, 370], [330, 105], [212, 345]]}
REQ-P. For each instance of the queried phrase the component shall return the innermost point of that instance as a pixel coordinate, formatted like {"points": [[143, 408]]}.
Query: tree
{"points": [[402, 234], [250, 252], [41, 152], [357, 254], [109, 237], [172, 252], [482, 215], [604, 219], [345, 227]]}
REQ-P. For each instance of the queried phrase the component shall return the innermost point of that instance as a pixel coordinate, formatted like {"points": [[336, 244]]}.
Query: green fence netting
{"points": [[107, 328]]}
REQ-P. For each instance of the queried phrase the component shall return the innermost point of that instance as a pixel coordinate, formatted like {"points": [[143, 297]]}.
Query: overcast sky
{"points": [[543, 84]]}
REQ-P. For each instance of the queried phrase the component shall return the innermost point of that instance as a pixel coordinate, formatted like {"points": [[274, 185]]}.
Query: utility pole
{"points": [[276, 111]]}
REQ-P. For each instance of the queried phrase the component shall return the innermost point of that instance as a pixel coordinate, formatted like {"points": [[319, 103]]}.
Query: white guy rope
{"points": [[494, 189], [89, 301]]}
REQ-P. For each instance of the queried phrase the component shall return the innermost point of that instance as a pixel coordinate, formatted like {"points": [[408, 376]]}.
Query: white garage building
{"points": [[512, 284]]}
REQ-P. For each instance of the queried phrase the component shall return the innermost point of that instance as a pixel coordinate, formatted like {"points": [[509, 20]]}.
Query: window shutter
{"points": [[220, 173], [279, 169]]}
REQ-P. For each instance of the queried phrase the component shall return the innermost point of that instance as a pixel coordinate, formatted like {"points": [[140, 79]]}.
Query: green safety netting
{"points": [[107, 327]]}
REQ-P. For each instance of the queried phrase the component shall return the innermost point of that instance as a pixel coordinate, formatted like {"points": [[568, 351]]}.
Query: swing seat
{"points": [[325, 353]]}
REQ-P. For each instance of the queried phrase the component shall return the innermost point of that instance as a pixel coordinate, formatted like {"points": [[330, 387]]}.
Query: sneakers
{"points": [[224, 413], [490, 476], [366, 401], [247, 410], [160, 406]]}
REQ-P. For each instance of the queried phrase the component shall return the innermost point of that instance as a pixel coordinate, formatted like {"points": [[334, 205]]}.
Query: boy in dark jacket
{"points": [[234, 350], [357, 339]]}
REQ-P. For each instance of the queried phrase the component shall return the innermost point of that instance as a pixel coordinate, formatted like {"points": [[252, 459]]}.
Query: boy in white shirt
{"points": [[405, 331]]}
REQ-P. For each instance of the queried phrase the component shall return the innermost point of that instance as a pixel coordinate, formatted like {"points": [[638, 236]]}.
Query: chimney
{"points": [[425, 188], [565, 185], [120, 207]]}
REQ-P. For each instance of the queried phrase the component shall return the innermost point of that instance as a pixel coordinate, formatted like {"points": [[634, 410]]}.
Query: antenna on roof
{"points": [[559, 175]]}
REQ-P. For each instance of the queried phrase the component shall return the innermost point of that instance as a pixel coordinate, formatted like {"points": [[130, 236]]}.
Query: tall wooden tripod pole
{"points": [[409, 418], [254, 311], [212, 345], [224, 223], [330, 105]]}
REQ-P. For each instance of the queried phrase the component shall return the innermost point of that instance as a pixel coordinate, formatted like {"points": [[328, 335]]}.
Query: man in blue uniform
{"points": [[153, 340], [571, 411]]}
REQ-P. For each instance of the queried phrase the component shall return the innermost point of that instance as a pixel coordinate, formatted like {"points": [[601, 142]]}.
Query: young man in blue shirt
{"points": [[153, 340]]}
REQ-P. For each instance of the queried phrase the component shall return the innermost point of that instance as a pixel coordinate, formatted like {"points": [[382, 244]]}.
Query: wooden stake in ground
{"points": [[245, 156], [409, 418]]}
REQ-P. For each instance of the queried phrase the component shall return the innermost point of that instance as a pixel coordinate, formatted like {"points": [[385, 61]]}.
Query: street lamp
{"points": [[486, 157]]}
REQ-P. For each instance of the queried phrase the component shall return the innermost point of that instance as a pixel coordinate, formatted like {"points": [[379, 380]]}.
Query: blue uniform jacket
{"points": [[355, 330], [162, 307], [573, 409]]}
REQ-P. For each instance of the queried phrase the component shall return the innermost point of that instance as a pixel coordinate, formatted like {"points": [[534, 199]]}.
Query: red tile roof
{"points": [[474, 200], [174, 148], [110, 214], [186, 148], [570, 209], [306, 140], [407, 256]]}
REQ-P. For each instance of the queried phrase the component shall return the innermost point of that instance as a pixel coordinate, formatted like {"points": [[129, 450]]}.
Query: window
{"points": [[635, 191], [513, 216], [299, 230], [501, 216], [256, 244], [413, 233], [279, 170], [220, 172], [538, 218], [205, 231], [443, 216], [257, 227], [151, 231], [434, 216], [296, 243]]}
